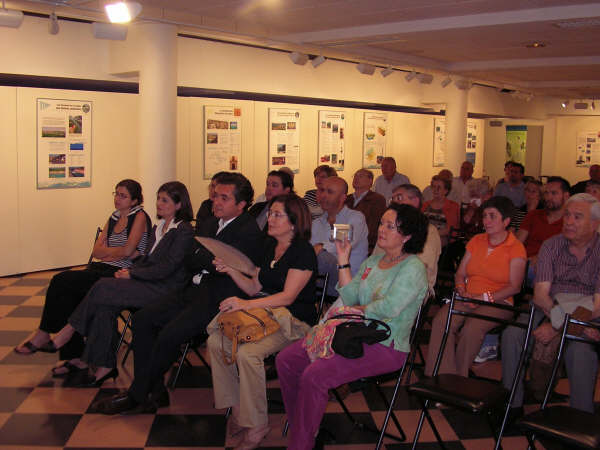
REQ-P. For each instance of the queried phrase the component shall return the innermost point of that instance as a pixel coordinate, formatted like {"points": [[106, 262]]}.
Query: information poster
{"points": [[516, 143], [223, 140], [439, 142], [588, 148], [332, 128], [374, 138], [64, 143], [284, 139]]}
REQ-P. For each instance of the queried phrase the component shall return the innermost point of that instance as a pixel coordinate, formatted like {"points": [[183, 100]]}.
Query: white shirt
{"points": [[159, 231]]}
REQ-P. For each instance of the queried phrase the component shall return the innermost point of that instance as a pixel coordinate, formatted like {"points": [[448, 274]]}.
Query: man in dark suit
{"points": [[159, 331]]}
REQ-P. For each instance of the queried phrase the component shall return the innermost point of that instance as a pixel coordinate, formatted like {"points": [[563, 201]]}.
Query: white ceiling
{"points": [[483, 40]]}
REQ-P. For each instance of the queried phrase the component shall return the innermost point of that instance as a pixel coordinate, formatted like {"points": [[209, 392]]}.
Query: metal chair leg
{"points": [[181, 362]]}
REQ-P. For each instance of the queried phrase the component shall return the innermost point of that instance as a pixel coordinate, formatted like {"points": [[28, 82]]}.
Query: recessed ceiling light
{"points": [[564, 103], [122, 12], [535, 44]]}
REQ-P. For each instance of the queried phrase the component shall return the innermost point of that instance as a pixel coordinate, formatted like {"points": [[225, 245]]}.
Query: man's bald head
{"points": [[333, 195]]}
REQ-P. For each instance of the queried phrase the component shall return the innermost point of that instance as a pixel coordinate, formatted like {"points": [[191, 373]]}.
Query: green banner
{"points": [[516, 143]]}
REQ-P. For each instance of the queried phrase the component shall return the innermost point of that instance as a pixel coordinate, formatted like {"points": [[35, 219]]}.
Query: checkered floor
{"points": [[38, 411]]}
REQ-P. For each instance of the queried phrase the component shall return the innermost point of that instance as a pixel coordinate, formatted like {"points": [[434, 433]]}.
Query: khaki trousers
{"points": [[464, 339], [243, 383]]}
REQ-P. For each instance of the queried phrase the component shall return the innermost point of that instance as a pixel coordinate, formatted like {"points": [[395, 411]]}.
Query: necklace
{"points": [[277, 257], [393, 258]]}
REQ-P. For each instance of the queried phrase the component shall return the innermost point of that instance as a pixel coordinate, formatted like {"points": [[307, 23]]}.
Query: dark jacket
{"points": [[255, 211], [372, 205], [204, 213], [165, 264]]}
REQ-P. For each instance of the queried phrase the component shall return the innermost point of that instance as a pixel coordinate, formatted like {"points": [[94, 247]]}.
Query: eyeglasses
{"points": [[120, 195], [275, 214]]}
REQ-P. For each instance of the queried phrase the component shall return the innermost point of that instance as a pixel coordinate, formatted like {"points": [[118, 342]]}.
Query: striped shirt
{"points": [[120, 240], [557, 265]]}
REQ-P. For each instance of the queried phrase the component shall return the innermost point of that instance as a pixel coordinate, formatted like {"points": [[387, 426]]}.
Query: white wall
{"points": [[566, 135]]}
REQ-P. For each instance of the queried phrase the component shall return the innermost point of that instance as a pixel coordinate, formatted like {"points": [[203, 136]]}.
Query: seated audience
{"points": [[147, 280], [409, 194], [444, 174], [160, 329], [389, 287], [533, 200], [491, 270], [331, 199], [370, 203], [123, 238], [389, 178], [478, 190], [594, 172], [205, 211], [459, 192], [444, 214], [278, 183], [567, 277], [261, 198], [592, 187], [286, 273], [310, 197], [513, 186]]}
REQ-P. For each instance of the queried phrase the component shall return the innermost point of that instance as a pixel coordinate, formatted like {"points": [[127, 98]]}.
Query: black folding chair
{"points": [[98, 231], [477, 396], [321, 292], [126, 326], [570, 426], [192, 344]]}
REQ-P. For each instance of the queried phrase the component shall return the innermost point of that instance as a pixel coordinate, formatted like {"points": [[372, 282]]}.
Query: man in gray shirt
{"points": [[513, 188], [389, 179]]}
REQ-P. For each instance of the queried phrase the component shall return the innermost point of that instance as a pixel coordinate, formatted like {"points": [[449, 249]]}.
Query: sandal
{"points": [[70, 369], [31, 348], [48, 347]]}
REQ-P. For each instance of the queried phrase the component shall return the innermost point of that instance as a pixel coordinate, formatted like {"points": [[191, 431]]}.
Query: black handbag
{"points": [[350, 335]]}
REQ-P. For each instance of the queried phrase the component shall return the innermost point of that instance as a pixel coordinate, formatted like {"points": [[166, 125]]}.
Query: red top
{"points": [[536, 224]]}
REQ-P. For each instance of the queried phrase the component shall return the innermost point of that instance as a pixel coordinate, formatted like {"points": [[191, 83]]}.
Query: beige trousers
{"points": [[244, 383], [464, 339]]}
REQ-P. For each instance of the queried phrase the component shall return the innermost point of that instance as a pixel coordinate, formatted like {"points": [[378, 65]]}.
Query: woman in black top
{"points": [[287, 275]]}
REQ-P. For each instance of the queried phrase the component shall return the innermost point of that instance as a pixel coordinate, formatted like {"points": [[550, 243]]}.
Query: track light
{"points": [[316, 62], [425, 78], [387, 71], [53, 24], [409, 76], [111, 31], [593, 106], [564, 103], [299, 58], [122, 12], [10, 17], [365, 69], [446, 81], [463, 84]]}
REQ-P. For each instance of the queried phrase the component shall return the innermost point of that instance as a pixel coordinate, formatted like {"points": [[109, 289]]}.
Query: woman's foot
{"points": [[69, 367], [33, 343], [62, 337], [254, 437]]}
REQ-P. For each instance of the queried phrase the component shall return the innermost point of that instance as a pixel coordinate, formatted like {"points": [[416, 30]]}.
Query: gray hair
{"points": [[591, 200]]}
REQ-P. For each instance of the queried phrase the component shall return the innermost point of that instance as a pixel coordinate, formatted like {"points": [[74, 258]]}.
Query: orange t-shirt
{"points": [[491, 272]]}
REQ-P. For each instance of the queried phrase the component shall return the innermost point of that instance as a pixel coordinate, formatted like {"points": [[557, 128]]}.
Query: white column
{"points": [[158, 108], [456, 129]]}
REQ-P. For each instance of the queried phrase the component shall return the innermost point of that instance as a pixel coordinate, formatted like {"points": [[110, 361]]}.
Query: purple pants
{"points": [[304, 385]]}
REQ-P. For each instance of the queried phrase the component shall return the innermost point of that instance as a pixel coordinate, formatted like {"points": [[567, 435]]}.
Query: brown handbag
{"points": [[245, 326]]}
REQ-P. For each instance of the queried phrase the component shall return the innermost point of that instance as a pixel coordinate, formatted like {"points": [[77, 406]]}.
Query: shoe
{"points": [[69, 369], [253, 437], [487, 353], [29, 347], [234, 429], [116, 404], [93, 382], [150, 406], [48, 347]]}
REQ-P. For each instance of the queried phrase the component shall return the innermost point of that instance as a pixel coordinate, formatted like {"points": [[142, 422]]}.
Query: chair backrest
{"points": [[98, 231], [321, 292], [565, 336], [452, 311]]}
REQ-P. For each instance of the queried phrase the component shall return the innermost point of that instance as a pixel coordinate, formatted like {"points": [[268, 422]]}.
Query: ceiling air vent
{"points": [[495, 123], [580, 105]]}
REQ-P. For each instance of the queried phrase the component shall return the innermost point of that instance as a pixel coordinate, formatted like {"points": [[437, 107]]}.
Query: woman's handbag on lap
{"points": [[354, 331], [246, 326]]}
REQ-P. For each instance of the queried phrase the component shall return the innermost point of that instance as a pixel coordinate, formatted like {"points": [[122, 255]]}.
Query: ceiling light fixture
{"points": [[535, 44], [593, 106], [446, 81], [299, 58], [410, 75], [564, 103], [122, 12], [425, 78], [463, 84], [387, 71], [10, 17], [366, 69], [316, 62], [53, 27], [111, 31]]}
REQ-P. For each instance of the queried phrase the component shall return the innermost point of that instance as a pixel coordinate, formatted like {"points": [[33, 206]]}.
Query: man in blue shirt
{"points": [[389, 178], [513, 187], [331, 197]]}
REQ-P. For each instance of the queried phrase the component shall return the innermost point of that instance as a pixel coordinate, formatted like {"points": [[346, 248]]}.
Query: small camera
{"points": [[341, 232]]}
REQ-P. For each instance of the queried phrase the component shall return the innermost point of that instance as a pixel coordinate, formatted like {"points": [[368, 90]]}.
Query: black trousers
{"points": [[160, 329], [66, 290]]}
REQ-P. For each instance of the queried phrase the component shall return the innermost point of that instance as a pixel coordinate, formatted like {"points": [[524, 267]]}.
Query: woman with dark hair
{"points": [[389, 287], [123, 238], [444, 214], [534, 199], [287, 275], [492, 270], [159, 273]]}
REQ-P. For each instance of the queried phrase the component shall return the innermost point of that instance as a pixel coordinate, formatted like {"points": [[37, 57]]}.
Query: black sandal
{"points": [[71, 368], [48, 347], [29, 346]]}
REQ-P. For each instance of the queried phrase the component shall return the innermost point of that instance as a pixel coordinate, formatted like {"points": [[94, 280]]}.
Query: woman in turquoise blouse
{"points": [[389, 287]]}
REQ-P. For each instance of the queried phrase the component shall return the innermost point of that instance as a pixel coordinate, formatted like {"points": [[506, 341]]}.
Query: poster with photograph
{"points": [[222, 139], [332, 129], [516, 143], [64, 143], [439, 142], [374, 138], [588, 148], [284, 139]]}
